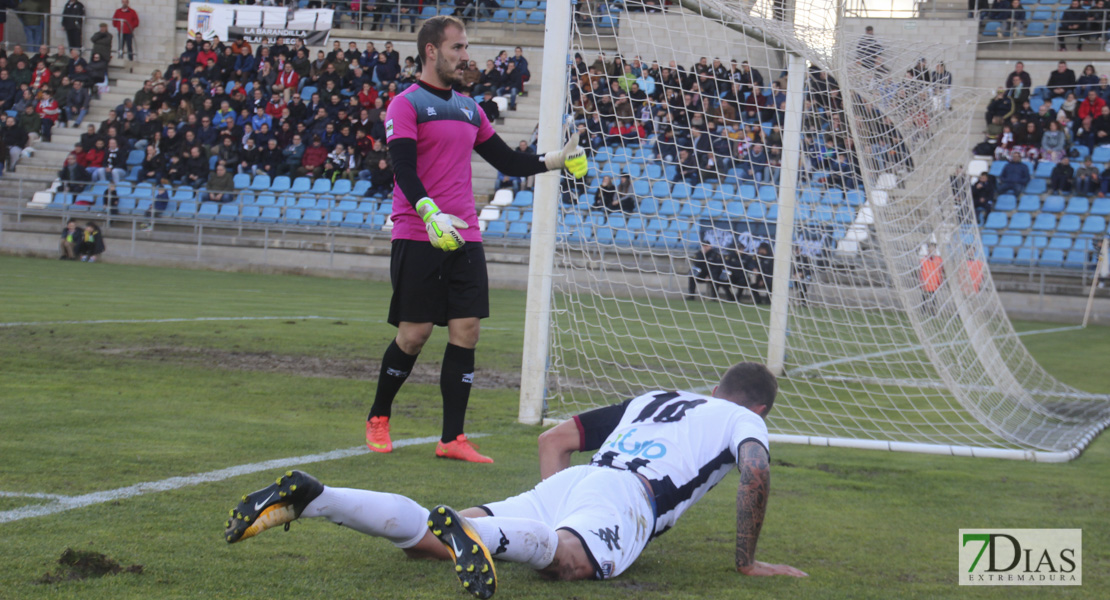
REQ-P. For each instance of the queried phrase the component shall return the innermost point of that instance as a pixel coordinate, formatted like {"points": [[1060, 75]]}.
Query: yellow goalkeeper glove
{"points": [[442, 228], [571, 157]]}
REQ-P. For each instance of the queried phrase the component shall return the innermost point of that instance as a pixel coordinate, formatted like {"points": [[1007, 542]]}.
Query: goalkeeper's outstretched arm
{"points": [[751, 506], [525, 164]]}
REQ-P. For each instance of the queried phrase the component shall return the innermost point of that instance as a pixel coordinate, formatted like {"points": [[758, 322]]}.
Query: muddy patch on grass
{"points": [[303, 366], [78, 565]]}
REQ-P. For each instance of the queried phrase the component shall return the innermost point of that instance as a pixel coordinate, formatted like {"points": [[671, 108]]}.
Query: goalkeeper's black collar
{"points": [[443, 94]]}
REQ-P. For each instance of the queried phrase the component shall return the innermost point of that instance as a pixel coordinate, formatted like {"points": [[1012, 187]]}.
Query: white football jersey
{"points": [[683, 443]]}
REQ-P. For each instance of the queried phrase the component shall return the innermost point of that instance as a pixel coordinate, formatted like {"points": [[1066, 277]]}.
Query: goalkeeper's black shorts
{"points": [[433, 286]]}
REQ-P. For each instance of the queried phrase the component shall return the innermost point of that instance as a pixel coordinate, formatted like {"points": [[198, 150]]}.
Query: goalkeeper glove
{"points": [[571, 157], [442, 228]]}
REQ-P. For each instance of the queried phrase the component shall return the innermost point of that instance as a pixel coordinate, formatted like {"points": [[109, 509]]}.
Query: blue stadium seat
{"points": [[1029, 203], [518, 16], [185, 209], [1044, 169], [519, 229], [771, 213], [1100, 206], [334, 218], [301, 185], [667, 208], [1093, 224], [748, 192], [1044, 222], [756, 211], [996, 220], [1025, 256], [135, 158], [312, 216], [535, 17], [691, 209], [242, 181], [680, 191], [833, 197], [280, 184], [265, 200], [305, 202], [1011, 240], [261, 183], [1052, 257], [989, 239], [208, 210], [523, 198], [996, 167], [855, 198], [1002, 255], [341, 187], [252, 213], [1005, 203], [702, 191], [1068, 224], [1078, 205], [321, 186], [1076, 259], [1060, 242], [1020, 221], [1036, 186], [360, 188], [270, 214], [1053, 204], [1101, 154], [648, 206], [428, 12], [809, 196], [734, 209], [228, 212], [767, 193]]}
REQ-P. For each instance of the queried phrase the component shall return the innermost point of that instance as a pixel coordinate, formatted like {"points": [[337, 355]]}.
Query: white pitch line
{"points": [[32, 495], [65, 503]]}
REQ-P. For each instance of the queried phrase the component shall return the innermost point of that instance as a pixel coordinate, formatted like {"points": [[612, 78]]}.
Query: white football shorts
{"points": [[609, 510]]}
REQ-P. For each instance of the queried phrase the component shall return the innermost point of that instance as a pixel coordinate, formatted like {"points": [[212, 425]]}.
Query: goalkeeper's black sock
{"points": [[454, 384], [396, 366]]}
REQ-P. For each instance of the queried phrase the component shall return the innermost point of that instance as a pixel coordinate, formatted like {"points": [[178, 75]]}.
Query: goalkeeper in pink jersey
{"points": [[438, 266]]}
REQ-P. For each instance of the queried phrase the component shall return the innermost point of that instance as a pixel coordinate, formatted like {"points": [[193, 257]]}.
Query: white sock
{"points": [[518, 540], [391, 516]]}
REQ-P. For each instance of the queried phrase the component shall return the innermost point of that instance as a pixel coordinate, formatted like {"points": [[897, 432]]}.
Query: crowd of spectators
{"points": [[1082, 20], [1018, 133], [221, 109]]}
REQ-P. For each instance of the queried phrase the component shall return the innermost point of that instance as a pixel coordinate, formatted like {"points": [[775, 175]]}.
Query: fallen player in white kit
{"points": [[656, 456]]}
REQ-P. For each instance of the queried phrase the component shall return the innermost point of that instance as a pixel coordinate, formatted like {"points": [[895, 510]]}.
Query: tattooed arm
{"points": [[751, 506]]}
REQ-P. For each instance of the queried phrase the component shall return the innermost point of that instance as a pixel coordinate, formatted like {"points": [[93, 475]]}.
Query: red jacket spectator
{"points": [[125, 20], [94, 158], [48, 109], [314, 156], [1091, 107], [367, 97], [288, 79], [40, 77], [932, 273], [275, 110], [202, 56]]}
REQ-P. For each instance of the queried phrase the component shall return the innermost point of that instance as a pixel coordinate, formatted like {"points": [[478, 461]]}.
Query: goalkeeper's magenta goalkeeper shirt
{"points": [[446, 132]]}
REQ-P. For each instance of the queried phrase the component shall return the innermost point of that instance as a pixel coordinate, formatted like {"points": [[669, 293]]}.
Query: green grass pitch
{"points": [[87, 407]]}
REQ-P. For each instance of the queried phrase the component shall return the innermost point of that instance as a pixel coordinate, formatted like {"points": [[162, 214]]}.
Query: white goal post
{"points": [[789, 202]]}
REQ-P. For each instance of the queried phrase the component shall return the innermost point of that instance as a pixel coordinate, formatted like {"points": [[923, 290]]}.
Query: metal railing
{"points": [[46, 28]]}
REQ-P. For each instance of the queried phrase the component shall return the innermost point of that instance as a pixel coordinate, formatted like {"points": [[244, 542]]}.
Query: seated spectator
{"points": [[1000, 106], [1062, 178], [983, 197], [1087, 81], [111, 199], [1086, 178], [626, 197], [49, 113], [1014, 19], [1015, 176], [270, 159], [688, 169], [606, 198], [221, 186], [77, 104], [196, 169], [493, 112], [1091, 106], [511, 84], [762, 271], [1054, 143], [1028, 141], [381, 179], [291, 156], [92, 243], [707, 265], [1073, 24], [73, 175], [1018, 91], [71, 239], [115, 167], [1061, 81], [153, 165], [312, 163]]}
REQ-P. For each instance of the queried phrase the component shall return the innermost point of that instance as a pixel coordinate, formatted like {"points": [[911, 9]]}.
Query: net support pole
{"points": [[1100, 266], [784, 229], [541, 256]]}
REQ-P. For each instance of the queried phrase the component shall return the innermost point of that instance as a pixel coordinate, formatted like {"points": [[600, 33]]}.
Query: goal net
{"points": [[767, 186]]}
